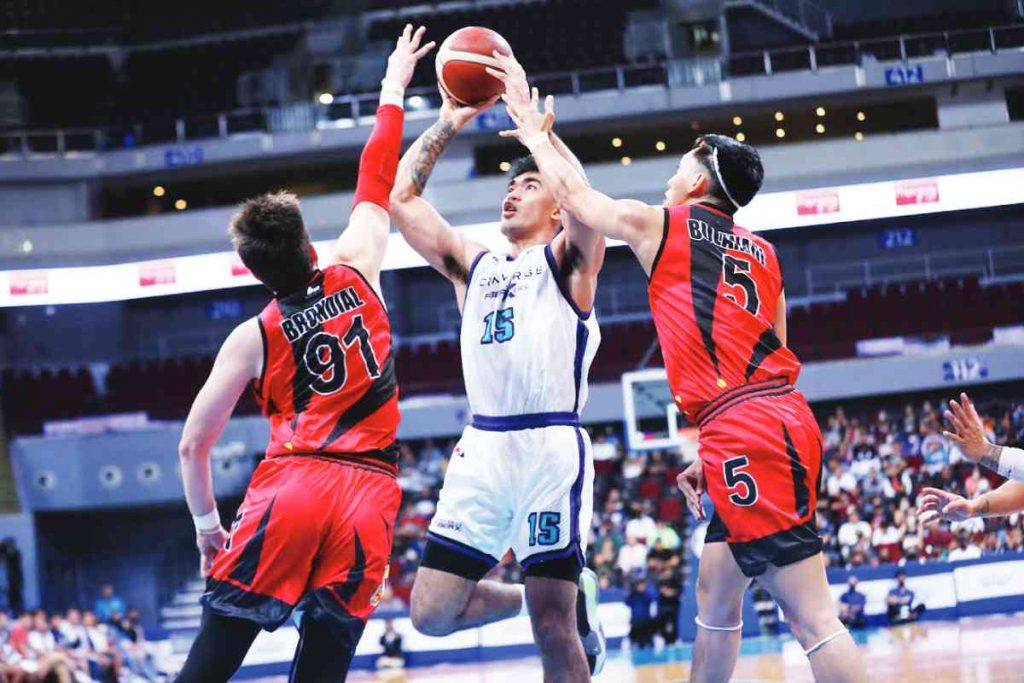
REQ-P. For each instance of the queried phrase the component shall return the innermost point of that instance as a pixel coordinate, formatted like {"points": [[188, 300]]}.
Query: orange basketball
{"points": [[461, 61]]}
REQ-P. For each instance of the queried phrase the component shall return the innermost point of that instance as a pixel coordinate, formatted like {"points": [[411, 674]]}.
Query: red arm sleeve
{"points": [[378, 164]]}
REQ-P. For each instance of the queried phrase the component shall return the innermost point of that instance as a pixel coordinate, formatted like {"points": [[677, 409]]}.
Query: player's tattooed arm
{"points": [[432, 144], [991, 457]]}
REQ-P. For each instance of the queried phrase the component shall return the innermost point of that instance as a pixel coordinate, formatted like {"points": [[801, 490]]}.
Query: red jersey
{"points": [[713, 293], [328, 383]]}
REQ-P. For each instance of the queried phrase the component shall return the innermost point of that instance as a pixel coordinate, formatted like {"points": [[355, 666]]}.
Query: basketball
{"points": [[462, 61]]}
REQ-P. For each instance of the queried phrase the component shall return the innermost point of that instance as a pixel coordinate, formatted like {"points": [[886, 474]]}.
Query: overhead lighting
{"points": [[861, 116], [159, 191], [660, 146], [181, 205], [417, 102], [780, 133], [616, 142], [626, 161], [740, 137], [26, 247], [737, 121], [779, 116], [505, 166], [820, 128], [858, 136], [820, 111], [325, 98]]}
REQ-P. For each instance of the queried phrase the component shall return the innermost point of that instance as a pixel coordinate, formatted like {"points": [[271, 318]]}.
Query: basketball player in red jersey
{"points": [[316, 522], [718, 304]]}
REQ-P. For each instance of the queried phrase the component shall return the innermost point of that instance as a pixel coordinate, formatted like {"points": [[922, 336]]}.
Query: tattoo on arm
{"points": [[991, 459], [434, 142], [983, 506]]}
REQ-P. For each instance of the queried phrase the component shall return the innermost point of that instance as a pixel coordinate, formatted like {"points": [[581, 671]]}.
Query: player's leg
{"points": [[467, 535], [327, 644], [554, 512], [801, 589], [552, 605], [720, 589], [444, 601], [219, 649]]}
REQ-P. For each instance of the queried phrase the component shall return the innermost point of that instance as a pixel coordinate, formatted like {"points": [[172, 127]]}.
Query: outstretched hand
{"points": [[521, 101], [459, 114], [968, 431], [407, 52], [935, 505]]}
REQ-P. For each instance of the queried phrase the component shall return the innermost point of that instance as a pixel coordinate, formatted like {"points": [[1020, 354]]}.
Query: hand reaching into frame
{"points": [[407, 52]]}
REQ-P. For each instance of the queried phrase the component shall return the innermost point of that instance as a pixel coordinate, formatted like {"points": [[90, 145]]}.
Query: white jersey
{"points": [[526, 347]]}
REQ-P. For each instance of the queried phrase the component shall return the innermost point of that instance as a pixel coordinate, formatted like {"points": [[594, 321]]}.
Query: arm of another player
{"points": [[969, 436], [637, 224], [364, 241], [421, 225], [239, 362], [935, 504], [578, 249], [780, 318]]}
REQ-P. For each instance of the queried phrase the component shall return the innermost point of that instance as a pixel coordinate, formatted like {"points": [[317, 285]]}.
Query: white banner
{"points": [[769, 211], [995, 580]]}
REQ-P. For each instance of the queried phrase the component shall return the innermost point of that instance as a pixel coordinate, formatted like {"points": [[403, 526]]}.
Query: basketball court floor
{"points": [[978, 650]]}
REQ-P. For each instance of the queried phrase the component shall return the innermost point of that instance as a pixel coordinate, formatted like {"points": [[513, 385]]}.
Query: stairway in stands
{"points": [[180, 617]]}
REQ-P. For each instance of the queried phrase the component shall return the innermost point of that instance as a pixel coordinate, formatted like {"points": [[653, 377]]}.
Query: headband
{"points": [[718, 176]]}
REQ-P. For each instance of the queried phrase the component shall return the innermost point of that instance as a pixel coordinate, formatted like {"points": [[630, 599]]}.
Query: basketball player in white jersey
{"points": [[521, 477]]}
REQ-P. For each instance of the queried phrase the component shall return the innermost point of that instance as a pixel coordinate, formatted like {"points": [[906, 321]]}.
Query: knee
{"points": [[716, 609], [427, 618], [813, 626], [553, 629]]}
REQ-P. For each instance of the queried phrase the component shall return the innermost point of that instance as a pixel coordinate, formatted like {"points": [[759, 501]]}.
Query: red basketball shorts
{"points": [[308, 525], [761, 449]]}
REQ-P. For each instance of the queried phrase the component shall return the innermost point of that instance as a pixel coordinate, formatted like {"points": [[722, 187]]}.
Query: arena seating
{"points": [[963, 309]]}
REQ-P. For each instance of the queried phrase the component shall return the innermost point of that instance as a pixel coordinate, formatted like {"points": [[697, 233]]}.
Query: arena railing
{"points": [[350, 110], [988, 265], [897, 48]]}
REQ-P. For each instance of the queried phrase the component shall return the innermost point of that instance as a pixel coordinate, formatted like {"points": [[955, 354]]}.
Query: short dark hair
{"points": [[268, 233], [739, 168], [518, 167]]}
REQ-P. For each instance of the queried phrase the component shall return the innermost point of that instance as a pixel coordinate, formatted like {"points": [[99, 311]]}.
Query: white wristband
{"points": [[1011, 463], [208, 522], [392, 93], [535, 141]]}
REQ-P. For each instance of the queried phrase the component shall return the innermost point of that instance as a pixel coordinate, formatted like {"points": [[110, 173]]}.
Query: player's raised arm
{"points": [[579, 248], [636, 223], [421, 225], [239, 362], [364, 241], [969, 436]]}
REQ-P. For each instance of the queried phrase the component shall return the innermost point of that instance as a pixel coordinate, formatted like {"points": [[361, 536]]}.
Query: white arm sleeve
{"points": [[1011, 463]]}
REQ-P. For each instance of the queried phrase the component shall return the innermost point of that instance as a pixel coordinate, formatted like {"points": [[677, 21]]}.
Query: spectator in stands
{"points": [[963, 548], [641, 525], [642, 624], [108, 605], [851, 605], [667, 536], [104, 662], [42, 645], [391, 641], [852, 530], [132, 646], [632, 557], [901, 607], [670, 589], [839, 479]]}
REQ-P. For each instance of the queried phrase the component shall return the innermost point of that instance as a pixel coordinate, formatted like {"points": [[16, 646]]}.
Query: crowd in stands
{"points": [[876, 465], [103, 645]]}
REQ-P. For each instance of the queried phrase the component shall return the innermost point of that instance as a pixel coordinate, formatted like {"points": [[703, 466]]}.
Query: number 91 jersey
{"points": [[328, 383], [526, 347]]}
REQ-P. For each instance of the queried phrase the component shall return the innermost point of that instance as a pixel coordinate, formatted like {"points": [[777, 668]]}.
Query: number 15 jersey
{"points": [[526, 347], [713, 293], [328, 383]]}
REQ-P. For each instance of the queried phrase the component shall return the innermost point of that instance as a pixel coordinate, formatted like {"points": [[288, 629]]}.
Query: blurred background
{"points": [[893, 145]]}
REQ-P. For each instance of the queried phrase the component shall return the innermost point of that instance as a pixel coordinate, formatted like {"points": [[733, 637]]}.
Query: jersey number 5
{"points": [[736, 272], [325, 357], [745, 494]]}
